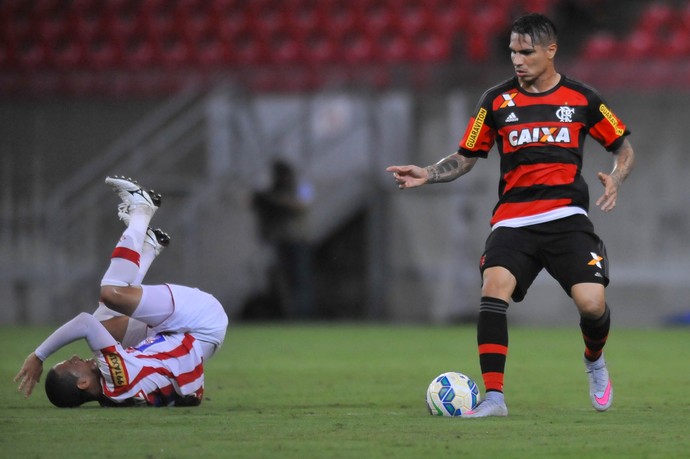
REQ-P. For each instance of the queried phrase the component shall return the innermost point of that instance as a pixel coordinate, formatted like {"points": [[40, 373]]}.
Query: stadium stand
{"points": [[52, 46], [653, 53]]}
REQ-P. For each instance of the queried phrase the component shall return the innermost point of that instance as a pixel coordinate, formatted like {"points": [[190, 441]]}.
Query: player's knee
{"points": [[116, 298], [591, 307], [590, 300], [498, 282], [109, 295]]}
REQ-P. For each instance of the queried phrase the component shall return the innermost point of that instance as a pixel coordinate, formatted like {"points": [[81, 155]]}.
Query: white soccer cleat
{"points": [[158, 239], [600, 389], [133, 197], [487, 408]]}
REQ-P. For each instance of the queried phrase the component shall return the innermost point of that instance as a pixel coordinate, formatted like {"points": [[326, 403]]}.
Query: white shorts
{"points": [[175, 308]]}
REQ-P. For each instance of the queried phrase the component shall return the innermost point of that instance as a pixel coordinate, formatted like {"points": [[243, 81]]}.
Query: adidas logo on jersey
{"points": [[511, 118]]}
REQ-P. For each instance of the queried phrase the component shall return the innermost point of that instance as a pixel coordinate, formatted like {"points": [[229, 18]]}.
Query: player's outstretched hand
{"points": [[408, 176], [607, 201], [30, 374]]}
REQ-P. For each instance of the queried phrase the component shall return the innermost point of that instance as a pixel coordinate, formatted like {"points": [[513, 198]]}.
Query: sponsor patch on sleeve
{"points": [[611, 119], [117, 369], [476, 129]]}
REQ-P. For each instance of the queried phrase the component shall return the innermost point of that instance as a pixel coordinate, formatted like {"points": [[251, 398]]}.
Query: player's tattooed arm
{"points": [[449, 168], [623, 163]]}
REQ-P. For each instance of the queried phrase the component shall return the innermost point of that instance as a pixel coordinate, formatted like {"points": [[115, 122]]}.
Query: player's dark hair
{"points": [[62, 391], [539, 28]]}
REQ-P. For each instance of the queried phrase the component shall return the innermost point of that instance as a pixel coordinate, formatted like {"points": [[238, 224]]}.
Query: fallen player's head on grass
{"points": [[72, 382]]}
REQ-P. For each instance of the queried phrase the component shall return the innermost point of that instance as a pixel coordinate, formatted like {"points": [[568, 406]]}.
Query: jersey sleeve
{"points": [[480, 133], [82, 326], [604, 126]]}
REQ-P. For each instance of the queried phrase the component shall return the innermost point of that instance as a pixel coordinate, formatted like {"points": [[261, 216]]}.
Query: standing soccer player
{"points": [[538, 120], [176, 328]]}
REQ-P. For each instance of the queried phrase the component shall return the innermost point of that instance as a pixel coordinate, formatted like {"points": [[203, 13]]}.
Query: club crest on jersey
{"points": [[565, 114], [508, 99], [539, 135]]}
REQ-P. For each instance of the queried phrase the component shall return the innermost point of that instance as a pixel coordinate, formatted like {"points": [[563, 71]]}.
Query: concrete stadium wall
{"points": [[646, 235]]}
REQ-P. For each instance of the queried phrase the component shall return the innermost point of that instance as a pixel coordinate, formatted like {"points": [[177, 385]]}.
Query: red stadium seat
{"points": [[285, 48], [600, 46], [267, 16], [138, 52], [47, 8], [640, 45], [14, 8], [489, 19], [478, 47], [539, 6], [32, 54], [374, 16], [320, 48], [683, 17], [395, 47], [102, 53], [232, 20], [158, 18], [67, 53], [656, 17], [358, 48], [449, 15], [16, 26], [210, 51], [677, 45], [249, 49], [88, 20], [174, 51], [431, 46], [123, 21], [8, 56], [302, 15], [195, 24], [339, 16], [412, 16], [49, 28]]}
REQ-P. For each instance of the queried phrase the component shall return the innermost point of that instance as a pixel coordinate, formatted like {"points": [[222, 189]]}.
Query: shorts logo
{"points": [[508, 100], [596, 260], [611, 118], [565, 114], [117, 369], [476, 128], [148, 342]]}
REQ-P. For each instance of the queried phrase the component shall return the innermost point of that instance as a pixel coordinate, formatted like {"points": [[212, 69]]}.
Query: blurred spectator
{"points": [[282, 212]]}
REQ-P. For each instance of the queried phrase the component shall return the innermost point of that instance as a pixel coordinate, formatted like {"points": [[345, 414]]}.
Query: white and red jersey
{"points": [[160, 371]]}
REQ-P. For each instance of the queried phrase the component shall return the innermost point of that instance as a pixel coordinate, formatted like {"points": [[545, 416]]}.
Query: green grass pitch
{"points": [[357, 391]]}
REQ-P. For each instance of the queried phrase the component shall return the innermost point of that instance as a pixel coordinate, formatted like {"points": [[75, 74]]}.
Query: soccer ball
{"points": [[452, 394]]}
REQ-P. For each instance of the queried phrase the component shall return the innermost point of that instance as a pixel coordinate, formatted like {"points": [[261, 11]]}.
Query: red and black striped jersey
{"points": [[540, 138]]}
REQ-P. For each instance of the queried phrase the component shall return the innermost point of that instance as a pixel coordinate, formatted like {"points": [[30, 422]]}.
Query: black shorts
{"points": [[567, 248]]}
